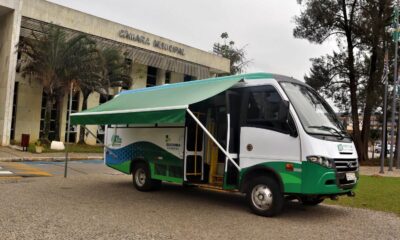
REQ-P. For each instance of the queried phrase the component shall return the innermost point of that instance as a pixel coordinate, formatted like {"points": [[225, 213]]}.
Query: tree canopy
{"points": [[228, 49], [57, 59], [351, 74]]}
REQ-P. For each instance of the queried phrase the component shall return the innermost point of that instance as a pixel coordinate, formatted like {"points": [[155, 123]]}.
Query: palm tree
{"points": [[56, 59], [115, 70], [112, 71]]}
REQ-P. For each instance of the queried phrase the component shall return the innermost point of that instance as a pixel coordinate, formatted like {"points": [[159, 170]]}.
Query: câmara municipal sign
{"points": [[154, 43]]}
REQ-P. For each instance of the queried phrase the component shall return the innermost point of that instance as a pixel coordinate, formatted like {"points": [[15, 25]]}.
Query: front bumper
{"points": [[319, 180]]}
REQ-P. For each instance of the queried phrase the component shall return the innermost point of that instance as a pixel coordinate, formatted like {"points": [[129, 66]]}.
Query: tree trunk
{"points": [[353, 82], [47, 118], [354, 108], [369, 102], [375, 72], [354, 102], [82, 127]]}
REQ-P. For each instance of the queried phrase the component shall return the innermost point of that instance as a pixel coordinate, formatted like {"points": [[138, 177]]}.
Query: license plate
{"points": [[350, 176]]}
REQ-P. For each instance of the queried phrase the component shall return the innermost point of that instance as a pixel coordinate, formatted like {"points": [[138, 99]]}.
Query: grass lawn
{"points": [[376, 193], [76, 148]]}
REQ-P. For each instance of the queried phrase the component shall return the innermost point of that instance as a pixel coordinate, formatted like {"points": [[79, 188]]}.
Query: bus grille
{"points": [[346, 165]]}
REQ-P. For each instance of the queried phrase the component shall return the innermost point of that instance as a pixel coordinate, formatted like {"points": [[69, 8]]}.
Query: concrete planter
{"points": [[39, 149]]}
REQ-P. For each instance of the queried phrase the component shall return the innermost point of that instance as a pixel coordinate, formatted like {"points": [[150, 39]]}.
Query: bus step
{"points": [[193, 174], [214, 187]]}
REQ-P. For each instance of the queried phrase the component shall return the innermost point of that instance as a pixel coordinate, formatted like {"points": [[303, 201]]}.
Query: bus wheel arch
{"points": [[141, 176], [137, 161], [257, 171]]}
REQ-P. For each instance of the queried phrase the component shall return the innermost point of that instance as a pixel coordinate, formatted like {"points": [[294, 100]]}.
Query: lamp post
{"points": [[68, 130]]}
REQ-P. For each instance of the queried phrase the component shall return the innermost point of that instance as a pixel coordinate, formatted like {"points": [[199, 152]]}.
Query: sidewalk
{"points": [[8, 154], [374, 171]]}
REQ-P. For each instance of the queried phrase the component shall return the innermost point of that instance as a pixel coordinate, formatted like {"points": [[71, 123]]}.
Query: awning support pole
{"points": [[212, 138], [90, 132], [68, 131]]}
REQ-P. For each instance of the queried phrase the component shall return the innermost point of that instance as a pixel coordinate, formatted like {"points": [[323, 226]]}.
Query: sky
{"points": [[265, 27]]}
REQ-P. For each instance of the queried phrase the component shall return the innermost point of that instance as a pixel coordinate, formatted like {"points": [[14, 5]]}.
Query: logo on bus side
{"points": [[116, 140], [170, 145], [345, 148]]}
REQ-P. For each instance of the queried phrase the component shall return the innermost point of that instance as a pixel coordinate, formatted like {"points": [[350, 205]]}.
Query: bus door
{"points": [[263, 138], [194, 150], [233, 102]]}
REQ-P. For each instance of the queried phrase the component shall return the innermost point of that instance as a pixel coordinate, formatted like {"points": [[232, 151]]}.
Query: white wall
{"points": [[29, 100], [10, 22]]}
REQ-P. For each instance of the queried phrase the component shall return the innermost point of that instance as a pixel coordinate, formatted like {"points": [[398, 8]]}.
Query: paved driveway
{"points": [[96, 202]]}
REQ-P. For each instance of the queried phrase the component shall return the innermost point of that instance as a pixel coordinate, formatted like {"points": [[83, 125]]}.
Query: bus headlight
{"points": [[323, 161]]}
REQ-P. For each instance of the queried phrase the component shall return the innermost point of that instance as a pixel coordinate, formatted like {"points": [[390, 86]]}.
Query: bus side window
{"points": [[263, 109]]}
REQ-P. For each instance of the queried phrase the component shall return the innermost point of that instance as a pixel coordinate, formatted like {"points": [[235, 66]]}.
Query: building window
{"points": [[187, 78], [151, 76], [263, 106], [73, 130], [167, 77], [14, 111], [53, 115]]}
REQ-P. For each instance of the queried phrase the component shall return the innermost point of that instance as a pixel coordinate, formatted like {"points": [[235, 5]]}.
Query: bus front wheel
{"points": [[264, 196]]}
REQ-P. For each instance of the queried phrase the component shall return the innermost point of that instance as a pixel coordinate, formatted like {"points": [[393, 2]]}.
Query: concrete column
{"points": [[93, 101], [176, 77], [139, 76], [28, 110], [160, 77], [10, 23]]}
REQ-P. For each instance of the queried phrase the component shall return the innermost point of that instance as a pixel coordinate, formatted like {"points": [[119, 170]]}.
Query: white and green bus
{"points": [[269, 136]]}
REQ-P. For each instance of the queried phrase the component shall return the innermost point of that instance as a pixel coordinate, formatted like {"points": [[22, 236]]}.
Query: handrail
{"points": [[212, 138]]}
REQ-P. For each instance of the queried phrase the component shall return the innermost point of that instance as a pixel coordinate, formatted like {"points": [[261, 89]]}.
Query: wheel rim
{"points": [[262, 197], [140, 177]]}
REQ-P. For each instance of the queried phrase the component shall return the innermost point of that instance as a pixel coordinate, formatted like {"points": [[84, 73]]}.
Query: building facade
{"points": [[154, 61]]}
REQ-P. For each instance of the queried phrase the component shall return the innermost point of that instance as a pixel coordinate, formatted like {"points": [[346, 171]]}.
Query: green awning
{"points": [[164, 104]]}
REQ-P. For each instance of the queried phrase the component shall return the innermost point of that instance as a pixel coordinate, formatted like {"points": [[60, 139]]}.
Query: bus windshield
{"points": [[315, 114]]}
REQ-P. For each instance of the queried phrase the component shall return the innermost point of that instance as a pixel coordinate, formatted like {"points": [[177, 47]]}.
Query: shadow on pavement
{"points": [[198, 197]]}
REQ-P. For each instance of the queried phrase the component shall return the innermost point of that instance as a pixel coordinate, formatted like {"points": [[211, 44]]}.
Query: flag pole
{"points": [[383, 145]]}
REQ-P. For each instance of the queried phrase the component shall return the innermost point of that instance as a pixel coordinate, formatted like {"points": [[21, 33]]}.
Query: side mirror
{"points": [[283, 114]]}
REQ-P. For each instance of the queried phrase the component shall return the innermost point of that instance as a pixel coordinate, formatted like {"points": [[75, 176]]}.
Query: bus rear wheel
{"points": [[142, 179], [265, 197]]}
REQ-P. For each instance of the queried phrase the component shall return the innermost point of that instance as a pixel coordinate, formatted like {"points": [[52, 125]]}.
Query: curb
{"points": [[49, 159]]}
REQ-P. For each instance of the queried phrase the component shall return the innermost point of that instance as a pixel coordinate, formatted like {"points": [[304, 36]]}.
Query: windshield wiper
{"points": [[329, 129]]}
